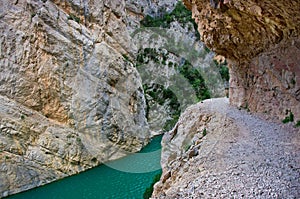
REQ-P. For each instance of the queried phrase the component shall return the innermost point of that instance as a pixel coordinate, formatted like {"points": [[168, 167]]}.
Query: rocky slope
{"points": [[176, 67], [218, 151], [215, 150], [261, 38], [69, 98]]}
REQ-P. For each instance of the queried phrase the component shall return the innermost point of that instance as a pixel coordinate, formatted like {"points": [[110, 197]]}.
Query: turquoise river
{"points": [[121, 179]]}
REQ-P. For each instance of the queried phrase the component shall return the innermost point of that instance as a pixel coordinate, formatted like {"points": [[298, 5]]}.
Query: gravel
{"points": [[260, 159]]}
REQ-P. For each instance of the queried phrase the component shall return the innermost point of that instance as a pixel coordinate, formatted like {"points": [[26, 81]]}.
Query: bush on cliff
{"points": [[163, 20]]}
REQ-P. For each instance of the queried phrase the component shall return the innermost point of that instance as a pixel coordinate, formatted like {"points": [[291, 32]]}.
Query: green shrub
{"points": [[160, 95], [223, 70], [297, 124], [180, 14], [147, 54], [171, 123], [289, 118], [74, 18], [187, 147], [204, 132], [125, 57], [196, 80], [206, 49]]}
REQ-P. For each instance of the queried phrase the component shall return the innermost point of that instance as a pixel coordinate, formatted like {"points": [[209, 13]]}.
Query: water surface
{"points": [[105, 181]]}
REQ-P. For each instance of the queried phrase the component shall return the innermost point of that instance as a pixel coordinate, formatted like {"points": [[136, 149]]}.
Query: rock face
{"points": [[218, 151], [70, 93], [69, 97], [176, 67], [261, 39], [136, 10], [162, 55]]}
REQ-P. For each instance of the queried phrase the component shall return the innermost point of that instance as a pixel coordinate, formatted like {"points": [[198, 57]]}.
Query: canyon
{"points": [[72, 93], [67, 104]]}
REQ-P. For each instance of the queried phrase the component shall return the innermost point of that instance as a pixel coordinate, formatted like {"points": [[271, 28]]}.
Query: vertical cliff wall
{"points": [[68, 97], [261, 40]]}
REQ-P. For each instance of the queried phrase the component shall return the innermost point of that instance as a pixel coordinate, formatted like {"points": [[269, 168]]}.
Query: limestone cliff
{"points": [[69, 99], [70, 93], [261, 39], [137, 10], [177, 69], [218, 151]]}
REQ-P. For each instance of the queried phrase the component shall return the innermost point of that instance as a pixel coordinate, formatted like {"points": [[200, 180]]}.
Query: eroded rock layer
{"points": [[261, 39], [69, 99]]}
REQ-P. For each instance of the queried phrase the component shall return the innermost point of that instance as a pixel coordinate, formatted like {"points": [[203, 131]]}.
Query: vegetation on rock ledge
{"points": [[164, 20], [74, 18], [161, 95], [289, 118], [223, 70]]}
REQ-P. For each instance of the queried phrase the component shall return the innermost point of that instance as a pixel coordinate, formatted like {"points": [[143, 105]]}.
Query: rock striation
{"points": [[261, 40], [69, 98]]}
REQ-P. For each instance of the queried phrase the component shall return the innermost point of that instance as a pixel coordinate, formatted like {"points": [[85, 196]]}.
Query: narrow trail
{"points": [[250, 157], [263, 159]]}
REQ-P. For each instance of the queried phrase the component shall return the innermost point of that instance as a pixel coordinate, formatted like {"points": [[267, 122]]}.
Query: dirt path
{"points": [[243, 155]]}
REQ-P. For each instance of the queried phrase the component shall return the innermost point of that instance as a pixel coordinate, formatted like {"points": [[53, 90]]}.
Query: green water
{"points": [[105, 181]]}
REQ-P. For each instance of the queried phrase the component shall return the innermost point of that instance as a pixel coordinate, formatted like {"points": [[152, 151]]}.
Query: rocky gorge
{"points": [[66, 103], [85, 82], [72, 95]]}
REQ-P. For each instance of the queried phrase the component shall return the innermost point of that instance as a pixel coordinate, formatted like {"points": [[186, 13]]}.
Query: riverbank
{"points": [[105, 181]]}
